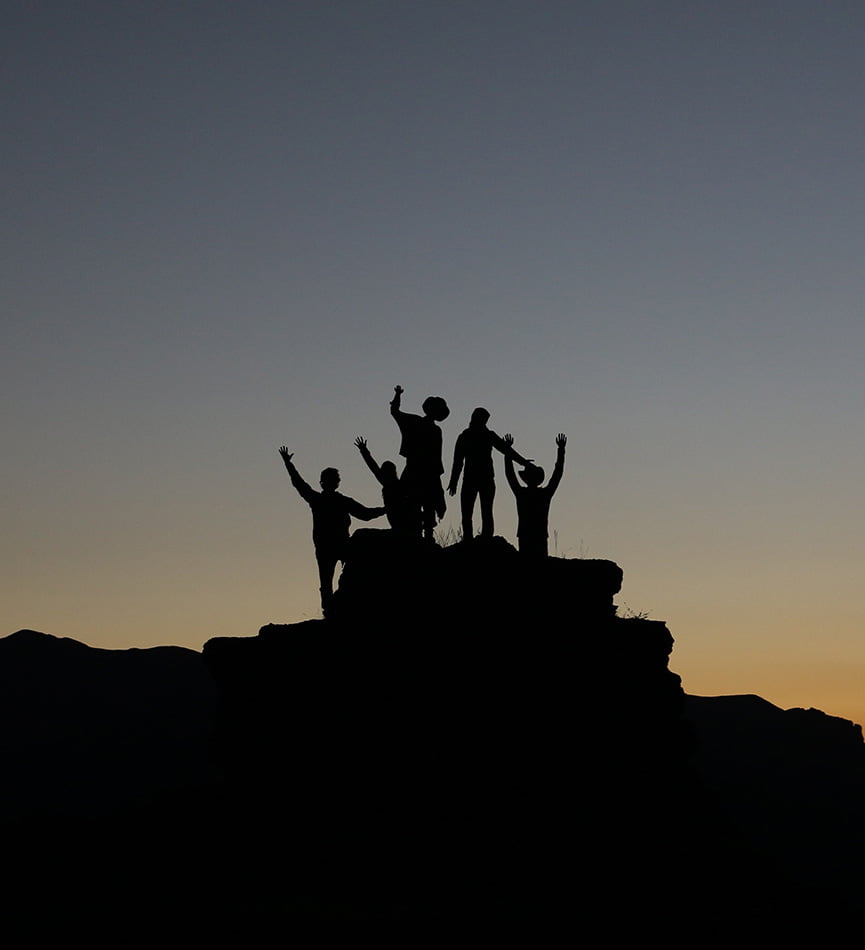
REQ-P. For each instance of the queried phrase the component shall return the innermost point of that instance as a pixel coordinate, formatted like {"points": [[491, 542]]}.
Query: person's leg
{"points": [[468, 494], [433, 504], [326, 567], [533, 546], [488, 494], [428, 516], [414, 502]]}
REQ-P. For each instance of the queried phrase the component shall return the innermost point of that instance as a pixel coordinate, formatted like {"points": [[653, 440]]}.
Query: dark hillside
{"points": [[466, 741]]}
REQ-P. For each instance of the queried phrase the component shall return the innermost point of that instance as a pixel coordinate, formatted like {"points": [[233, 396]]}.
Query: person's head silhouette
{"points": [[434, 407], [329, 479], [480, 417], [532, 475], [388, 472]]}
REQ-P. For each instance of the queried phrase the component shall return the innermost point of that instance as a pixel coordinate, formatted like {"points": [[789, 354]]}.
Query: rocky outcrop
{"points": [[459, 729], [468, 743], [470, 738], [389, 581]]}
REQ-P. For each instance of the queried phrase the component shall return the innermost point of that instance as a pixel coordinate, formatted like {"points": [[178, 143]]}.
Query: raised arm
{"points": [[305, 492], [507, 448], [366, 455], [510, 474], [556, 477], [396, 401]]}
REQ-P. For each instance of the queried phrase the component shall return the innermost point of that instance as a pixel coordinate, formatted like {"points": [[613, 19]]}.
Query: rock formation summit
{"points": [[460, 730]]}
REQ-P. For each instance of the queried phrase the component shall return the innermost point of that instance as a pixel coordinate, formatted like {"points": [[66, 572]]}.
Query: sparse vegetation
{"points": [[626, 612], [447, 536], [582, 550]]}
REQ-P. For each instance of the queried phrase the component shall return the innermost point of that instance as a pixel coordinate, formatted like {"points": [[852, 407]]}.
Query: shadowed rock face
{"points": [[480, 739], [467, 586], [459, 729], [464, 741]]}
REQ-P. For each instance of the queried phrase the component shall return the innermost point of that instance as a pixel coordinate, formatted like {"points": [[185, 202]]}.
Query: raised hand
{"points": [[508, 439], [561, 440], [360, 442], [286, 455], [398, 390]]}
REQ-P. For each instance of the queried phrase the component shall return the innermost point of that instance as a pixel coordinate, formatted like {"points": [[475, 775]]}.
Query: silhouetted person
{"points": [[421, 447], [400, 506], [474, 449], [533, 499], [331, 517]]}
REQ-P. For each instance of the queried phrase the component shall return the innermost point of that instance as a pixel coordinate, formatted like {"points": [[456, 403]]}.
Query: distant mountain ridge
{"points": [[90, 730], [445, 746]]}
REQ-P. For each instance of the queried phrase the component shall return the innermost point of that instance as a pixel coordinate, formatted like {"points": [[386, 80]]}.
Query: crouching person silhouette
{"points": [[421, 447], [533, 499], [401, 509], [331, 518]]}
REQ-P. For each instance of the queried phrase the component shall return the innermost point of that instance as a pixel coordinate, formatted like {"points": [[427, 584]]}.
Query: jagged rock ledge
{"points": [[393, 580], [418, 631], [459, 723]]}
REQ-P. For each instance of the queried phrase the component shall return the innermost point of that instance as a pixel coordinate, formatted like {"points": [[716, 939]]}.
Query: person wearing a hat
{"points": [[421, 447]]}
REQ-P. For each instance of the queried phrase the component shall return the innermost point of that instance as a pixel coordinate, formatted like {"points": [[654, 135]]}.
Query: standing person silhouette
{"points": [[331, 518], [533, 500], [474, 449], [421, 447], [402, 513]]}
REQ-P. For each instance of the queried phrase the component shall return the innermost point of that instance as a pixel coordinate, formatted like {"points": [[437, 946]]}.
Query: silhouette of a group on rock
{"points": [[414, 501]]}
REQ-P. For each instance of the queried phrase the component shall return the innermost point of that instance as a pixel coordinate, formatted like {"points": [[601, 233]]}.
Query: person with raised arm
{"points": [[421, 447], [331, 518], [533, 499], [400, 508], [474, 450]]}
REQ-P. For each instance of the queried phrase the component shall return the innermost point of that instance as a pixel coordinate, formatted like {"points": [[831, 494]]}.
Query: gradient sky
{"points": [[232, 225]]}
